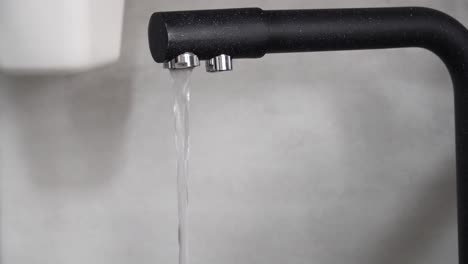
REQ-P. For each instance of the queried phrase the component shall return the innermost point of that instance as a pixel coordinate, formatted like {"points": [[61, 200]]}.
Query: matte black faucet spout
{"points": [[252, 32]]}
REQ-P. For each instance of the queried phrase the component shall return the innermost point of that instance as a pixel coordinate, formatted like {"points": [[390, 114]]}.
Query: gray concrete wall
{"points": [[342, 157]]}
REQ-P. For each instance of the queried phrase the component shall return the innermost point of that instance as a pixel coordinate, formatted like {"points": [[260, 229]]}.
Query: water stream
{"points": [[181, 79]]}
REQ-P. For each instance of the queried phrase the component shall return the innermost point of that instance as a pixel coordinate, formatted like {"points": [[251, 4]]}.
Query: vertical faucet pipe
{"points": [[252, 32]]}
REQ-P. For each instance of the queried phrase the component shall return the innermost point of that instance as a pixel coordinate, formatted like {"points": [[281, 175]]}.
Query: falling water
{"points": [[181, 79]]}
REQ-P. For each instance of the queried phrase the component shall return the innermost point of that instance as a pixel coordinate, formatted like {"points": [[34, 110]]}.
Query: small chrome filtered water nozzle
{"points": [[219, 63]]}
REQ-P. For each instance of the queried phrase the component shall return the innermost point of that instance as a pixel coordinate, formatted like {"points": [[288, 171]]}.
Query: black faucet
{"points": [[182, 38]]}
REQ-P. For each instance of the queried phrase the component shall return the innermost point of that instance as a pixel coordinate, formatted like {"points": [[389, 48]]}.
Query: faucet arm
{"points": [[353, 29]]}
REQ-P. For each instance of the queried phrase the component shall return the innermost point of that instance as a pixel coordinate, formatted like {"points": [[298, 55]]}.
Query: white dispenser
{"points": [[59, 36]]}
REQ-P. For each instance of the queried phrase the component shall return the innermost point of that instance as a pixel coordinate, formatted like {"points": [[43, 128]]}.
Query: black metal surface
{"points": [[250, 33], [239, 33]]}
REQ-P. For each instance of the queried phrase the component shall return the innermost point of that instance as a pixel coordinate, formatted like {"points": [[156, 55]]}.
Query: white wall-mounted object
{"points": [[59, 36]]}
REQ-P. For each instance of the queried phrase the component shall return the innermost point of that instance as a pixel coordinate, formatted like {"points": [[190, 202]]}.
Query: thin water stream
{"points": [[181, 79]]}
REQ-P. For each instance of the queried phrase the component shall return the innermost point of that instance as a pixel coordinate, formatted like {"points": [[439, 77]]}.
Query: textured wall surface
{"points": [[341, 157]]}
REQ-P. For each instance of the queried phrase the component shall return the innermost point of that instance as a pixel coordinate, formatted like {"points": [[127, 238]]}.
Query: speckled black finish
{"points": [[250, 33], [240, 33]]}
